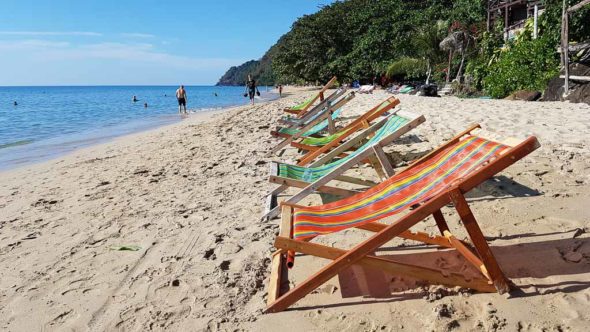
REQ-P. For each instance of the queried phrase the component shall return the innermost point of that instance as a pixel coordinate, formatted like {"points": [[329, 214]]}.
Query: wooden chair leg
{"points": [[479, 242], [279, 278], [357, 253], [440, 222], [278, 274]]}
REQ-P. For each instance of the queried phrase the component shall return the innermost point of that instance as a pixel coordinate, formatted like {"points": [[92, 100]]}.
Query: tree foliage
{"points": [[361, 39]]}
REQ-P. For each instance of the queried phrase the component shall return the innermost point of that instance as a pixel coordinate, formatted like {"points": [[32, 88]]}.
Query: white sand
{"points": [[190, 195]]}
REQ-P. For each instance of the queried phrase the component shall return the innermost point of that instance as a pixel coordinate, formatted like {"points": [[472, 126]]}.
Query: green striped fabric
{"points": [[313, 130], [321, 141], [304, 104], [311, 174]]}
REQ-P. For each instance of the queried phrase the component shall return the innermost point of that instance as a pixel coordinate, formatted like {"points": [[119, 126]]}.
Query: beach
{"points": [[161, 230]]}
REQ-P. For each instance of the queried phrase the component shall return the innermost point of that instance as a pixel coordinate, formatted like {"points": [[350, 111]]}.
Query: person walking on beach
{"points": [[181, 96], [251, 89], [280, 90]]}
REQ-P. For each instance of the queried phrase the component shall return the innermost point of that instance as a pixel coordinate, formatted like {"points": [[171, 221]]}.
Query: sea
{"points": [[50, 121]]}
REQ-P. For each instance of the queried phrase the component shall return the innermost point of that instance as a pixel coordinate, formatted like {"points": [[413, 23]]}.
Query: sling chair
{"points": [[302, 108], [317, 146], [318, 124], [427, 185], [315, 176], [293, 121]]}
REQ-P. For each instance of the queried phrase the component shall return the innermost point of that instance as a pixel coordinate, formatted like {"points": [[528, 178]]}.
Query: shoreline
{"points": [[24, 155], [189, 196]]}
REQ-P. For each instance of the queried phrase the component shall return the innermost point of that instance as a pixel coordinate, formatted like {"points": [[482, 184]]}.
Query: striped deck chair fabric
{"points": [[321, 141], [399, 192], [305, 103], [311, 174], [313, 130]]}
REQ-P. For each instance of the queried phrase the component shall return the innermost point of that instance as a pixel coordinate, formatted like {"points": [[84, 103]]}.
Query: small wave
{"points": [[16, 143]]}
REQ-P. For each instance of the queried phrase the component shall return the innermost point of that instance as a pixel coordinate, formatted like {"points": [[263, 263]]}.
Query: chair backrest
{"points": [[331, 141], [310, 174], [401, 191], [303, 107], [313, 130], [320, 107]]}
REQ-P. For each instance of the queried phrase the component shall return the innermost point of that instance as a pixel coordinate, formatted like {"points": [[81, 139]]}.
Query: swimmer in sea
{"points": [[145, 105], [15, 103], [134, 99]]}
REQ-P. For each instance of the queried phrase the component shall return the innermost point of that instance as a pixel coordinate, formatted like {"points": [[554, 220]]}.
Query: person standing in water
{"points": [[181, 96], [251, 88]]}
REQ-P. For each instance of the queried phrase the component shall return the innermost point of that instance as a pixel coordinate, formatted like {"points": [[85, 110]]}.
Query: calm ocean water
{"points": [[51, 121]]}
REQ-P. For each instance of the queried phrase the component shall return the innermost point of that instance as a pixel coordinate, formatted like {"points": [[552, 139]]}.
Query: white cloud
{"points": [[51, 33], [44, 51], [136, 35], [31, 44]]}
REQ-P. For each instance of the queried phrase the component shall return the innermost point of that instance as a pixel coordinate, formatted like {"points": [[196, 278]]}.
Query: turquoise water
{"points": [[51, 121]]}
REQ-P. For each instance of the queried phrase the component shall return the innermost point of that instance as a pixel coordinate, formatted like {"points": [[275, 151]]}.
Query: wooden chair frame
{"points": [[319, 95], [289, 121], [330, 109], [374, 154], [492, 278], [362, 122]]}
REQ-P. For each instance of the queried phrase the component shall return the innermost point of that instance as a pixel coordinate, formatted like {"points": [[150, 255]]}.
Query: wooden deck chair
{"points": [[437, 179], [294, 121], [315, 177], [317, 146], [302, 108], [321, 122], [293, 125]]}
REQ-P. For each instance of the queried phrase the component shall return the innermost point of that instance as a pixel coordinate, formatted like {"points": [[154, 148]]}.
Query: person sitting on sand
{"points": [[181, 96], [251, 87]]}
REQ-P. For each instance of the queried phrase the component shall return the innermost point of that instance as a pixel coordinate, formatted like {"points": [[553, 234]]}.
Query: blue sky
{"points": [[126, 42]]}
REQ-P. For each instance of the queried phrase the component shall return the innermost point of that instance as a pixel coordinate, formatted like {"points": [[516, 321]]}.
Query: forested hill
{"points": [[260, 69], [413, 40], [352, 39]]}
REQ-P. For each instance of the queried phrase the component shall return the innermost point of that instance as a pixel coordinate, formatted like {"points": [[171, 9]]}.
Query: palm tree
{"points": [[427, 53]]}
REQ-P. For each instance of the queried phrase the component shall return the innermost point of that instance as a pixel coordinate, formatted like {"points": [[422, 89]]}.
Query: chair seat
{"points": [[410, 187]]}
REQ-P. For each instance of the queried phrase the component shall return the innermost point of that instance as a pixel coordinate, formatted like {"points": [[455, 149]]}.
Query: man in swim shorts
{"points": [[181, 96]]}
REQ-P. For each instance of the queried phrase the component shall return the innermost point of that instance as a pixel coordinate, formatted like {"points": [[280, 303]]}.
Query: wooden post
{"points": [[535, 21], [506, 23], [488, 18], [449, 67], [565, 50]]}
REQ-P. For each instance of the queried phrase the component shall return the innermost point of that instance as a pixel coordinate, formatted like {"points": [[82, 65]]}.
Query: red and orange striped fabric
{"points": [[399, 192]]}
